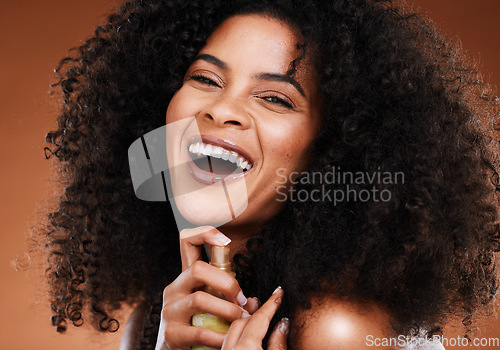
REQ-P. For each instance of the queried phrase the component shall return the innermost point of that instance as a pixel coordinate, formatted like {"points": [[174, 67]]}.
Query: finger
{"points": [[277, 340], [201, 274], [252, 305], [186, 336], [201, 302], [258, 323], [234, 333], [191, 241]]}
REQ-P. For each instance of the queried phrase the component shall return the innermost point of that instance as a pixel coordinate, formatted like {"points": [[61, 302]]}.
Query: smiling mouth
{"points": [[214, 162]]}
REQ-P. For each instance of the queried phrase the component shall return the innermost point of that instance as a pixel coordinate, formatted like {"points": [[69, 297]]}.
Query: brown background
{"points": [[33, 36]]}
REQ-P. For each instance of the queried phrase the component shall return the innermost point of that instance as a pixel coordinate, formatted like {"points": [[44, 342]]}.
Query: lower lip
{"points": [[208, 178]]}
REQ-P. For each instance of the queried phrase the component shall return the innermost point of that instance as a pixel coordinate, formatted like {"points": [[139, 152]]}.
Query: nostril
{"points": [[226, 118]]}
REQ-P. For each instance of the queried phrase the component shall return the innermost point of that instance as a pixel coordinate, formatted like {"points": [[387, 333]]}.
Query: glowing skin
{"points": [[347, 325], [237, 91]]}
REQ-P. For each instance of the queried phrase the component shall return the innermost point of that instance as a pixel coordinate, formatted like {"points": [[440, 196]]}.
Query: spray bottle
{"points": [[219, 258]]}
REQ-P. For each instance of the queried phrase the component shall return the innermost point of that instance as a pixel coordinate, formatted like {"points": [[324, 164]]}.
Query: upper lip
{"points": [[217, 141]]}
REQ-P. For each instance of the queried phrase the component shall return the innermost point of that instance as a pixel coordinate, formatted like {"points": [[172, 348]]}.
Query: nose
{"points": [[227, 111]]}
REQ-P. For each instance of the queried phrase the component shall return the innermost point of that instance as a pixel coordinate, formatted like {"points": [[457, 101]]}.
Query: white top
{"points": [[420, 342]]}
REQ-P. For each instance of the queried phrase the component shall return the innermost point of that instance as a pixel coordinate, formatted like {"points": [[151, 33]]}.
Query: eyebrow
{"points": [[282, 78], [213, 60], [262, 76]]}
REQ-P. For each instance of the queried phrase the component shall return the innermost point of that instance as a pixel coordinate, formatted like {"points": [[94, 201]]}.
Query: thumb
{"points": [[277, 340], [192, 239]]}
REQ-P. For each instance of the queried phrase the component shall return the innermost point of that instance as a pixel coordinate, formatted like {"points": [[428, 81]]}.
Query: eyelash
{"points": [[271, 98], [203, 79], [278, 100]]}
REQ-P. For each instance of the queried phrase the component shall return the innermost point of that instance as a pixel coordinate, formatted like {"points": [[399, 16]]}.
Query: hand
{"points": [[182, 299], [248, 333]]}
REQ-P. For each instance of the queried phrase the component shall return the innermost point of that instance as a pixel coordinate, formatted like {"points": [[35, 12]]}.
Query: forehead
{"points": [[254, 32], [254, 44]]}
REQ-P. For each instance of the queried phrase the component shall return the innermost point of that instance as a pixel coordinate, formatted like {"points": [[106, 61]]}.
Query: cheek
{"points": [[293, 142], [181, 106]]}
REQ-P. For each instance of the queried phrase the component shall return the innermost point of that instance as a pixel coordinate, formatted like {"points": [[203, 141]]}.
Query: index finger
{"points": [[258, 323], [191, 242]]}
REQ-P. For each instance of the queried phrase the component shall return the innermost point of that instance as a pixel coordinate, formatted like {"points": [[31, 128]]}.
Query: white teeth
{"points": [[200, 148], [217, 152], [233, 157]]}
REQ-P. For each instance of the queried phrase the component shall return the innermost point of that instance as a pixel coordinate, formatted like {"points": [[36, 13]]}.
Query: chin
{"points": [[214, 205]]}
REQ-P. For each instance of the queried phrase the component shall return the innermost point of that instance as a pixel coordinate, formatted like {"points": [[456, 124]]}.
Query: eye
{"points": [[278, 100], [203, 79]]}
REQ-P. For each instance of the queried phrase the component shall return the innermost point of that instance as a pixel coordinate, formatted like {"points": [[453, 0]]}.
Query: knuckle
{"points": [[198, 269], [197, 299], [165, 315], [200, 335], [164, 312], [169, 333], [170, 294], [166, 295], [166, 292]]}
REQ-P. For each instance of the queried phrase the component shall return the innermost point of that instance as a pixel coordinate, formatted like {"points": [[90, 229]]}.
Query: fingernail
{"points": [[277, 289], [245, 315], [222, 239], [258, 301], [284, 325], [241, 299]]}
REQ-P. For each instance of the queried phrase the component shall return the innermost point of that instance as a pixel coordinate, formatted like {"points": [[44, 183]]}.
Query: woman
{"points": [[370, 98]]}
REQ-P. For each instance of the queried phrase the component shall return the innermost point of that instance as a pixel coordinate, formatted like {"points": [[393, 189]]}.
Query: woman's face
{"points": [[237, 98]]}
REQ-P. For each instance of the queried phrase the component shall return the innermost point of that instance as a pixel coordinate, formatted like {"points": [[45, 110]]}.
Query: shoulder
{"points": [[133, 329], [342, 324]]}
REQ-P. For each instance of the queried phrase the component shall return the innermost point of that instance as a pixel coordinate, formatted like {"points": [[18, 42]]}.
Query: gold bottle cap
{"points": [[220, 257]]}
